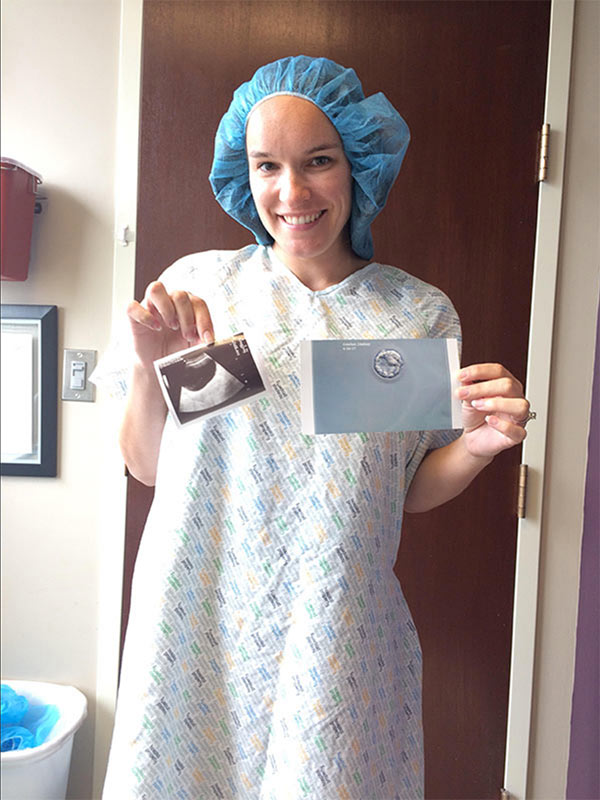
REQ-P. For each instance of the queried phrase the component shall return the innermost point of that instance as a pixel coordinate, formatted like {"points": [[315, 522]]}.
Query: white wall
{"points": [[570, 398], [60, 62]]}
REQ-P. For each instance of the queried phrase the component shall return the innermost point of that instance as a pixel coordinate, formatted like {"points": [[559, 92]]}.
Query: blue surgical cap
{"points": [[373, 134]]}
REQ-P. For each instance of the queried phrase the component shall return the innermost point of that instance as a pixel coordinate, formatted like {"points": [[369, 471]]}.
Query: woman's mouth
{"points": [[302, 219]]}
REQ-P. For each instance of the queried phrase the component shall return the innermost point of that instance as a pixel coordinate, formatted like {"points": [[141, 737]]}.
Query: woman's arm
{"points": [[443, 474], [162, 324], [142, 425], [493, 411]]}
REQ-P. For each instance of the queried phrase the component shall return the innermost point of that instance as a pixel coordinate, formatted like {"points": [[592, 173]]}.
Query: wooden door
{"points": [[469, 78]]}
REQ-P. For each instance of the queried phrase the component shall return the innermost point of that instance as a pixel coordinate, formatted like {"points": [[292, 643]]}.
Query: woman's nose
{"points": [[293, 189]]}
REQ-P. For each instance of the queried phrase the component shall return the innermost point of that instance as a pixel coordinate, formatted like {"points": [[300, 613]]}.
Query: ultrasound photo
{"points": [[206, 380]]}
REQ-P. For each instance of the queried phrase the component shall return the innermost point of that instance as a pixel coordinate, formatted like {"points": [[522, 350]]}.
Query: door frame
{"points": [[538, 387], [539, 365]]}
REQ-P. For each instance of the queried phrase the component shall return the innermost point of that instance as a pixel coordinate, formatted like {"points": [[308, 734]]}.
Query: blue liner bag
{"points": [[23, 725]]}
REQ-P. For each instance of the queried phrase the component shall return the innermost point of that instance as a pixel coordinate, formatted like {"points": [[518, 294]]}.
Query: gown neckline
{"points": [[281, 268]]}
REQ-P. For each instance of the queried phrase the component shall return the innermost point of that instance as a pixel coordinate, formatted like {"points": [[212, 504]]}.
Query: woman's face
{"points": [[300, 180]]}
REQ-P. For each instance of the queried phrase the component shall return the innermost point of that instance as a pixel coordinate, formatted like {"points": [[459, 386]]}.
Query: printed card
{"points": [[362, 385]]}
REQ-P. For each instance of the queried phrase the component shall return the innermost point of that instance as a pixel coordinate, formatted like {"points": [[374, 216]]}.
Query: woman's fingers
{"points": [[202, 320], [160, 304], [184, 318], [485, 371], [142, 316], [488, 380], [177, 311], [494, 408], [516, 433], [516, 408]]}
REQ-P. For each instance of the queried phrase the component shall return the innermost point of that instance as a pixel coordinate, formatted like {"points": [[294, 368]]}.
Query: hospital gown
{"points": [[270, 653]]}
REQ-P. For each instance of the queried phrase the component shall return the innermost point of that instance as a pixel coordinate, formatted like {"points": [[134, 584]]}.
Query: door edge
{"points": [[529, 529], [110, 589]]}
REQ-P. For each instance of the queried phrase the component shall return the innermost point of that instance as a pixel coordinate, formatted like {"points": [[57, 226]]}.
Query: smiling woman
{"points": [[302, 187], [374, 138], [270, 651]]}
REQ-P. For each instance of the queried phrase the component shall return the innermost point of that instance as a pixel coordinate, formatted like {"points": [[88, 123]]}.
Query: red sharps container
{"points": [[17, 209]]}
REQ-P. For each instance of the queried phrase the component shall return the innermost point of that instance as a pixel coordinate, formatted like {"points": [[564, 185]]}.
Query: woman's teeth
{"points": [[303, 220]]}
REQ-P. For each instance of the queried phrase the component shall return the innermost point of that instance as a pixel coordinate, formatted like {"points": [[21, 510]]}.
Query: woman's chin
{"points": [[305, 251]]}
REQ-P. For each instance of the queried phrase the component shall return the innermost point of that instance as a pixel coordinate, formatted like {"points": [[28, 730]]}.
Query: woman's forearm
{"points": [[142, 426], [442, 475]]}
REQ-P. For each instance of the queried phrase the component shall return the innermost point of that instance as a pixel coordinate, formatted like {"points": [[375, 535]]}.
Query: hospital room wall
{"points": [[60, 63], [59, 95]]}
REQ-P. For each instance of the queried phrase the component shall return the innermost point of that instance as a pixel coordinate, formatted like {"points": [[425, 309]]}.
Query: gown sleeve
{"points": [[443, 323]]}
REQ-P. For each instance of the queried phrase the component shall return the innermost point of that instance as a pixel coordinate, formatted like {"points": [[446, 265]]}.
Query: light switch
{"points": [[77, 367], [77, 375]]}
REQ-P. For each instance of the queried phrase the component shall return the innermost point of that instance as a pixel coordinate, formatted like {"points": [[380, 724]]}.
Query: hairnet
{"points": [[373, 134]]}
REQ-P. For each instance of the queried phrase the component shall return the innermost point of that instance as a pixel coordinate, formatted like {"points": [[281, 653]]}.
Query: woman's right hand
{"points": [[164, 323]]}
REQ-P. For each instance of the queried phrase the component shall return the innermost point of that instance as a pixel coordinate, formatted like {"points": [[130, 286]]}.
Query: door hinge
{"points": [[543, 152], [522, 494], [504, 794]]}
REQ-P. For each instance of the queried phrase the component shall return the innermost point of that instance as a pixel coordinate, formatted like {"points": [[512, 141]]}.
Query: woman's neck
{"points": [[320, 272]]}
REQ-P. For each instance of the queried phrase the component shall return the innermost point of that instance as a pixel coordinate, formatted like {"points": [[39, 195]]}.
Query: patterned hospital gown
{"points": [[270, 653]]}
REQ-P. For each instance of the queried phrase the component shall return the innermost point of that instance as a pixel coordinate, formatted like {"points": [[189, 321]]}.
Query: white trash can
{"points": [[42, 773]]}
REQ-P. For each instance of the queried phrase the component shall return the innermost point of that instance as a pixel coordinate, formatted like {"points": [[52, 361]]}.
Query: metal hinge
{"points": [[544, 145], [522, 495], [504, 794]]}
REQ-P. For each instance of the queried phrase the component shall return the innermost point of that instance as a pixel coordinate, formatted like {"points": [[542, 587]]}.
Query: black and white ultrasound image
{"points": [[210, 378]]}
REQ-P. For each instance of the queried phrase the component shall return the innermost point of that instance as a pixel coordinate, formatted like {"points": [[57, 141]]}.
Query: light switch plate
{"points": [[87, 394]]}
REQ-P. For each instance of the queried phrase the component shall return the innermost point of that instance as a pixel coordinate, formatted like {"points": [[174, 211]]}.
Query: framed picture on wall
{"points": [[29, 383]]}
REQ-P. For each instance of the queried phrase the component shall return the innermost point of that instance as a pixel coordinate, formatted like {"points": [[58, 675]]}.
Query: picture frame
{"points": [[29, 385]]}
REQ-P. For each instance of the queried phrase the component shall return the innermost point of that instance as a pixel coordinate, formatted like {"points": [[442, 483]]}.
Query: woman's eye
{"points": [[266, 166], [321, 161]]}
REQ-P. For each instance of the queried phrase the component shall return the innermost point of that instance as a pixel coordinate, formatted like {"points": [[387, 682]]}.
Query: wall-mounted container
{"points": [[19, 184]]}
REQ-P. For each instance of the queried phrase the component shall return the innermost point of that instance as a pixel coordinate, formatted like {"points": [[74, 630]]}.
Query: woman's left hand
{"points": [[493, 409]]}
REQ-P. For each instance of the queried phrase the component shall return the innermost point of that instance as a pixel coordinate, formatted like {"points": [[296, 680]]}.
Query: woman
{"points": [[270, 652]]}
